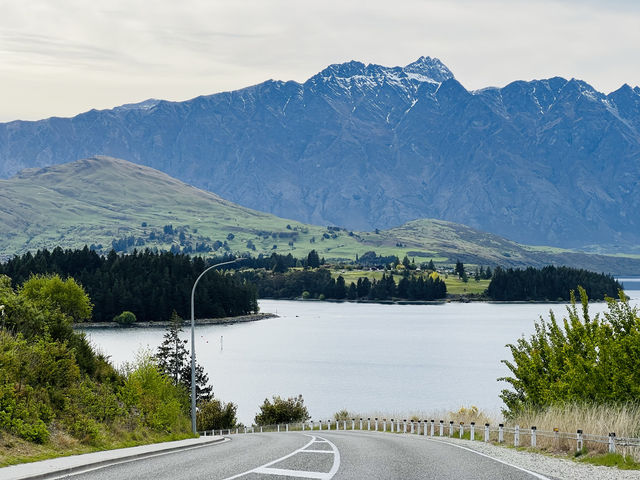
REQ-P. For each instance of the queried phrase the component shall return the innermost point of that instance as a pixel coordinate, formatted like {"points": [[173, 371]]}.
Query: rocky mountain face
{"points": [[551, 162]]}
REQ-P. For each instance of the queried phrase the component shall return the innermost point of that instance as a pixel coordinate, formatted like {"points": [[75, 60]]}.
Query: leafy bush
{"points": [[215, 415], [581, 359], [125, 318], [282, 411]]}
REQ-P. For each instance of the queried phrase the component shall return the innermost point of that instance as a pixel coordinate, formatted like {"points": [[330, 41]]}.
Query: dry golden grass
{"points": [[596, 420]]}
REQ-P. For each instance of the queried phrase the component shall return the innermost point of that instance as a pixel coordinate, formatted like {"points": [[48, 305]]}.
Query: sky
{"points": [[63, 57]]}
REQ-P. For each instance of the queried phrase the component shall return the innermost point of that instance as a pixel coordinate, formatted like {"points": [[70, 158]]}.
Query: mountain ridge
{"points": [[548, 161]]}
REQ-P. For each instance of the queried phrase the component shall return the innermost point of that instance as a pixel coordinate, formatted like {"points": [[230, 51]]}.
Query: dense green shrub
{"points": [[125, 318], [580, 359], [282, 411], [215, 415], [50, 374]]}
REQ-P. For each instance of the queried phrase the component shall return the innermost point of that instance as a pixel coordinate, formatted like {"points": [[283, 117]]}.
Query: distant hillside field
{"points": [[545, 162], [111, 203]]}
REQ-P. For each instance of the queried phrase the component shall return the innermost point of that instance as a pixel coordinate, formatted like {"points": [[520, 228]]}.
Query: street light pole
{"points": [[193, 344]]}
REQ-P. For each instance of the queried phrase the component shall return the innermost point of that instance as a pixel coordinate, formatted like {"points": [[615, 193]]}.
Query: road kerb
{"points": [[47, 469]]}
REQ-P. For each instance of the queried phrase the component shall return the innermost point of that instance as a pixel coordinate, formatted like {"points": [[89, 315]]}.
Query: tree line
{"points": [[319, 283], [150, 285], [549, 283]]}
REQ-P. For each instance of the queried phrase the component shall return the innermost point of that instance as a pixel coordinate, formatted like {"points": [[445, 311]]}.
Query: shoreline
{"points": [[164, 323]]}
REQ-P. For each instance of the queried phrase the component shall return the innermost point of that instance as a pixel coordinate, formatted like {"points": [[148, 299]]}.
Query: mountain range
{"points": [[548, 162], [111, 203]]}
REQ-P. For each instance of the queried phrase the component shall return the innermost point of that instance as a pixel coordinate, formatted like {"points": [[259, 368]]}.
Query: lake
{"points": [[366, 358]]}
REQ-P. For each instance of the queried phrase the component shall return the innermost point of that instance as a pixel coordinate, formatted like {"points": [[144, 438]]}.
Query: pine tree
{"points": [[175, 362]]}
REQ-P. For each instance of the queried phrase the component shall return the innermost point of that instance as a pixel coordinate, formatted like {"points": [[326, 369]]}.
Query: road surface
{"points": [[321, 455]]}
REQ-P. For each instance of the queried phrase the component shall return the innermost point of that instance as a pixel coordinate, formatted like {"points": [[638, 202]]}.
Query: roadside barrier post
{"points": [[328, 424], [516, 436], [369, 423], [344, 424], [320, 424], [278, 427], [236, 431], [413, 426], [260, 431], [556, 437], [287, 427], [384, 424], [473, 431], [353, 424], [404, 422], [486, 432], [392, 422], [501, 433], [360, 424], [461, 429], [579, 440], [533, 436], [245, 429], [451, 428], [376, 424], [432, 425], [441, 428], [612, 442]]}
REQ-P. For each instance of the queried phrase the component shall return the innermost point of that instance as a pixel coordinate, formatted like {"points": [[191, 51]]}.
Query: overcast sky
{"points": [[63, 57]]}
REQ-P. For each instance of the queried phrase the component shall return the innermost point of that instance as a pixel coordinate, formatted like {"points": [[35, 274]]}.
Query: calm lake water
{"points": [[363, 357]]}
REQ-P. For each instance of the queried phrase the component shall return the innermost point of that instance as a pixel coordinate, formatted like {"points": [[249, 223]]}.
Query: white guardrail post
{"points": [[516, 436], [486, 432], [461, 429], [501, 433], [392, 425], [473, 431], [533, 436], [360, 424], [278, 427], [451, 428], [344, 425], [384, 424], [579, 440], [612, 442], [413, 427], [376, 423], [369, 423], [441, 428], [353, 424]]}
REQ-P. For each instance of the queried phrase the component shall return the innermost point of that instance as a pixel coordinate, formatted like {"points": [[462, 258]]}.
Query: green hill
{"points": [[107, 202]]}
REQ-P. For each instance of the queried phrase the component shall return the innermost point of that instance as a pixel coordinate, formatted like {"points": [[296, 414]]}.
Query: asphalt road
{"points": [[321, 455]]}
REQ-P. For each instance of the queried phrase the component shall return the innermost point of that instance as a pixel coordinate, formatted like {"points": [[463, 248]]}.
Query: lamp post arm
{"points": [[193, 343]]}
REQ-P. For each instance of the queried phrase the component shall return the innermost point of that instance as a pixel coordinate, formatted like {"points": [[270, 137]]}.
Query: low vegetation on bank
{"points": [[58, 395]]}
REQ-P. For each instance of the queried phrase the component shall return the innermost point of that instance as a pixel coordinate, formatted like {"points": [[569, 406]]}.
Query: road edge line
{"points": [[89, 467]]}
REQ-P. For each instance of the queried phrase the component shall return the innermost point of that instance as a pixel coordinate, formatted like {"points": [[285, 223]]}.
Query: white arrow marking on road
{"points": [[266, 469]]}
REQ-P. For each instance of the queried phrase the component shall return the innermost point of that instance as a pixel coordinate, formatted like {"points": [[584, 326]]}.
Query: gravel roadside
{"points": [[550, 466]]}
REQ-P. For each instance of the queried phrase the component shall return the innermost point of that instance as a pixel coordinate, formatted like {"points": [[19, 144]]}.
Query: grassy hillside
{"points": [[109, 202]]}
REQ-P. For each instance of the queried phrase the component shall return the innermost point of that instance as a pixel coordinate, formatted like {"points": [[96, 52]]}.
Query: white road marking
{"points": [[266, 469], [537, 475]]}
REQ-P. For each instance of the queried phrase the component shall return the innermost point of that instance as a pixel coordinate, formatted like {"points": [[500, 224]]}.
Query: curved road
{"points": [[321, 455]]}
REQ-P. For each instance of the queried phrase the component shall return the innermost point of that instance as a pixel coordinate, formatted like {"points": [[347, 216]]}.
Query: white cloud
{"points": [[67, 56]]}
